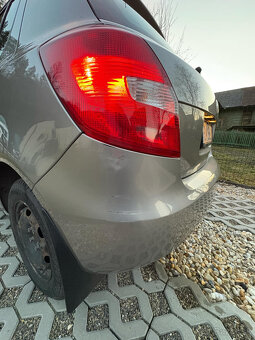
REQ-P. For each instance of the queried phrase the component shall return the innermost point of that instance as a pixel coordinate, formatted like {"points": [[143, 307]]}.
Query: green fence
{"points": [[235, 153], [235, 138]]}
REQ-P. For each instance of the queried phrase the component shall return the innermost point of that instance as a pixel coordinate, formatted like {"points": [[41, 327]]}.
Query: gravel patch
{"points": [[3, 269], [9, 297], [21, 271], [221, 261], [159, 304], [26, 329], [129, 309], [204, 332], [149, 273], [236, 328], [11, 251], [102, 285], [235, 191], [37, 296], [62, 325], [171, 336], [4, 238], [125, 279], [98, 318], [187, 298]]}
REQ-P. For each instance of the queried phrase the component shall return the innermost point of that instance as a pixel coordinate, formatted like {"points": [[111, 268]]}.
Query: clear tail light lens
{"points": [[115, 89]]}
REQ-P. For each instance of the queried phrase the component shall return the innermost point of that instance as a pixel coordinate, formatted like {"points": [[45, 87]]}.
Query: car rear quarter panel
{"points": [[38, 128], [46, 19]]}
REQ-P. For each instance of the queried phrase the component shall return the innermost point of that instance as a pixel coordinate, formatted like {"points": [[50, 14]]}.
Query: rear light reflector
{"points": [[115, 89]]}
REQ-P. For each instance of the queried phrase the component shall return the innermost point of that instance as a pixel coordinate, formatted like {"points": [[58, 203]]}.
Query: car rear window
{"points": [[129, 13]]}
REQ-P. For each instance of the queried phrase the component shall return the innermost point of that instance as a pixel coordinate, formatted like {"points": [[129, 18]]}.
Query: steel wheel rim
{"points": [[33, 241]]}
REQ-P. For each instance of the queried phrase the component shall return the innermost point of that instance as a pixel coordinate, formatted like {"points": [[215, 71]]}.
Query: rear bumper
{"points": [[118, 209]]}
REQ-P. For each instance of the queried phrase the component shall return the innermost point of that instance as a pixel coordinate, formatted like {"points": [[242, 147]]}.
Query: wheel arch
{"points": [[8, 175]]}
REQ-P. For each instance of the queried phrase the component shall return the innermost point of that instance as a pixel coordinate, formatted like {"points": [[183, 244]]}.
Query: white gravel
{"points": [[235, 191], [221, 260]]}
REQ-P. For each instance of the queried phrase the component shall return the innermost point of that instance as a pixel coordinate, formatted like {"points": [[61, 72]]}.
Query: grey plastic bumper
{"points": [[119, 209]]}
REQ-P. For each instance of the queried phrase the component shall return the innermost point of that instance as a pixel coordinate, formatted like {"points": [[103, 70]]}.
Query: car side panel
{"points": [[38, 128], [46, 19]]}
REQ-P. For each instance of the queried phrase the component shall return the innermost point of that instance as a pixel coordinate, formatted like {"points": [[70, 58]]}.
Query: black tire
{"points": [[37, 252]]}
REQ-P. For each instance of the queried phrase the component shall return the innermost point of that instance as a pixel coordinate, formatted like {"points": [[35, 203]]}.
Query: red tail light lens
{"points": [[115, 89]]}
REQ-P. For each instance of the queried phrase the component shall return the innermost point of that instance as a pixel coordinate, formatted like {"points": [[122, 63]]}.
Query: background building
{"points": [[237, 109]]}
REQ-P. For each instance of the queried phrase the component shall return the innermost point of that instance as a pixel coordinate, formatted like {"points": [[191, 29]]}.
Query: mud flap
{"points": [[77, 282]]}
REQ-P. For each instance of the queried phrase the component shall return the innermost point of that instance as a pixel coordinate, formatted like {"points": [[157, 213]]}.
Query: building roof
{"points": [[237, 98]]}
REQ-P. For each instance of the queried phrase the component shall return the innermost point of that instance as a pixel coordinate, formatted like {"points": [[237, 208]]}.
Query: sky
{"points": [[221, 37]]}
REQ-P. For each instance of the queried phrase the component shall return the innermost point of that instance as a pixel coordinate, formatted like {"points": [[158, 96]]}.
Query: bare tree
{"points": [[164, 12]]}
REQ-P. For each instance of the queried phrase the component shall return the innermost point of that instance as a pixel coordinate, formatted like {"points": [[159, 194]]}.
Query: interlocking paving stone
{"points": [[235, 213], [236, 328], [138, 304], [11, 251], [9, 318], [26, 329]]}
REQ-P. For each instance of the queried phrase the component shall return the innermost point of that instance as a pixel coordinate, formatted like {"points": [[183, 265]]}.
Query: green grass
{"points": [[237, 164]]}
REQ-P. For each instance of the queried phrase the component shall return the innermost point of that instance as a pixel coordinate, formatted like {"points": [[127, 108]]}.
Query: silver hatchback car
{"points": [[105, 140]]}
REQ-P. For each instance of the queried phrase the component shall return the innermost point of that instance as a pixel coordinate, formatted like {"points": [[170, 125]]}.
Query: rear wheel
{"points": [[34, 241]]}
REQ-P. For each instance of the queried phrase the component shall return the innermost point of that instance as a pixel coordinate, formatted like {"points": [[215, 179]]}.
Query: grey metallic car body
{"points": [[115, 208]]}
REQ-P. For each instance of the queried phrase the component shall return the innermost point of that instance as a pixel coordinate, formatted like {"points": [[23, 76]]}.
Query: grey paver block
{"points": [[170, 323], [195, 316], [182, 281], [148, 327], [220, 310], [132, 330], [41, 309], [80, 332], [152, 335], [11, 241], [58, 305], [10, 320], [3, 247], [12, 262], [4, 225], [148, 287], [226, 309], [130, 291], [235, 213], [161, 272]]}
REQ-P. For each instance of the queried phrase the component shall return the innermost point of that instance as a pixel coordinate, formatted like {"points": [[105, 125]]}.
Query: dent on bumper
{"points": [[118, 209]]}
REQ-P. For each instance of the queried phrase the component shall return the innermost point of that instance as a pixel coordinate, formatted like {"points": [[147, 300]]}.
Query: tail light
{"points": [[115, 89]]}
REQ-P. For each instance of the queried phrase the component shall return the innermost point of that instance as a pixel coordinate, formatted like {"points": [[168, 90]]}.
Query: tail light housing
{"points": [[115, 89]]}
